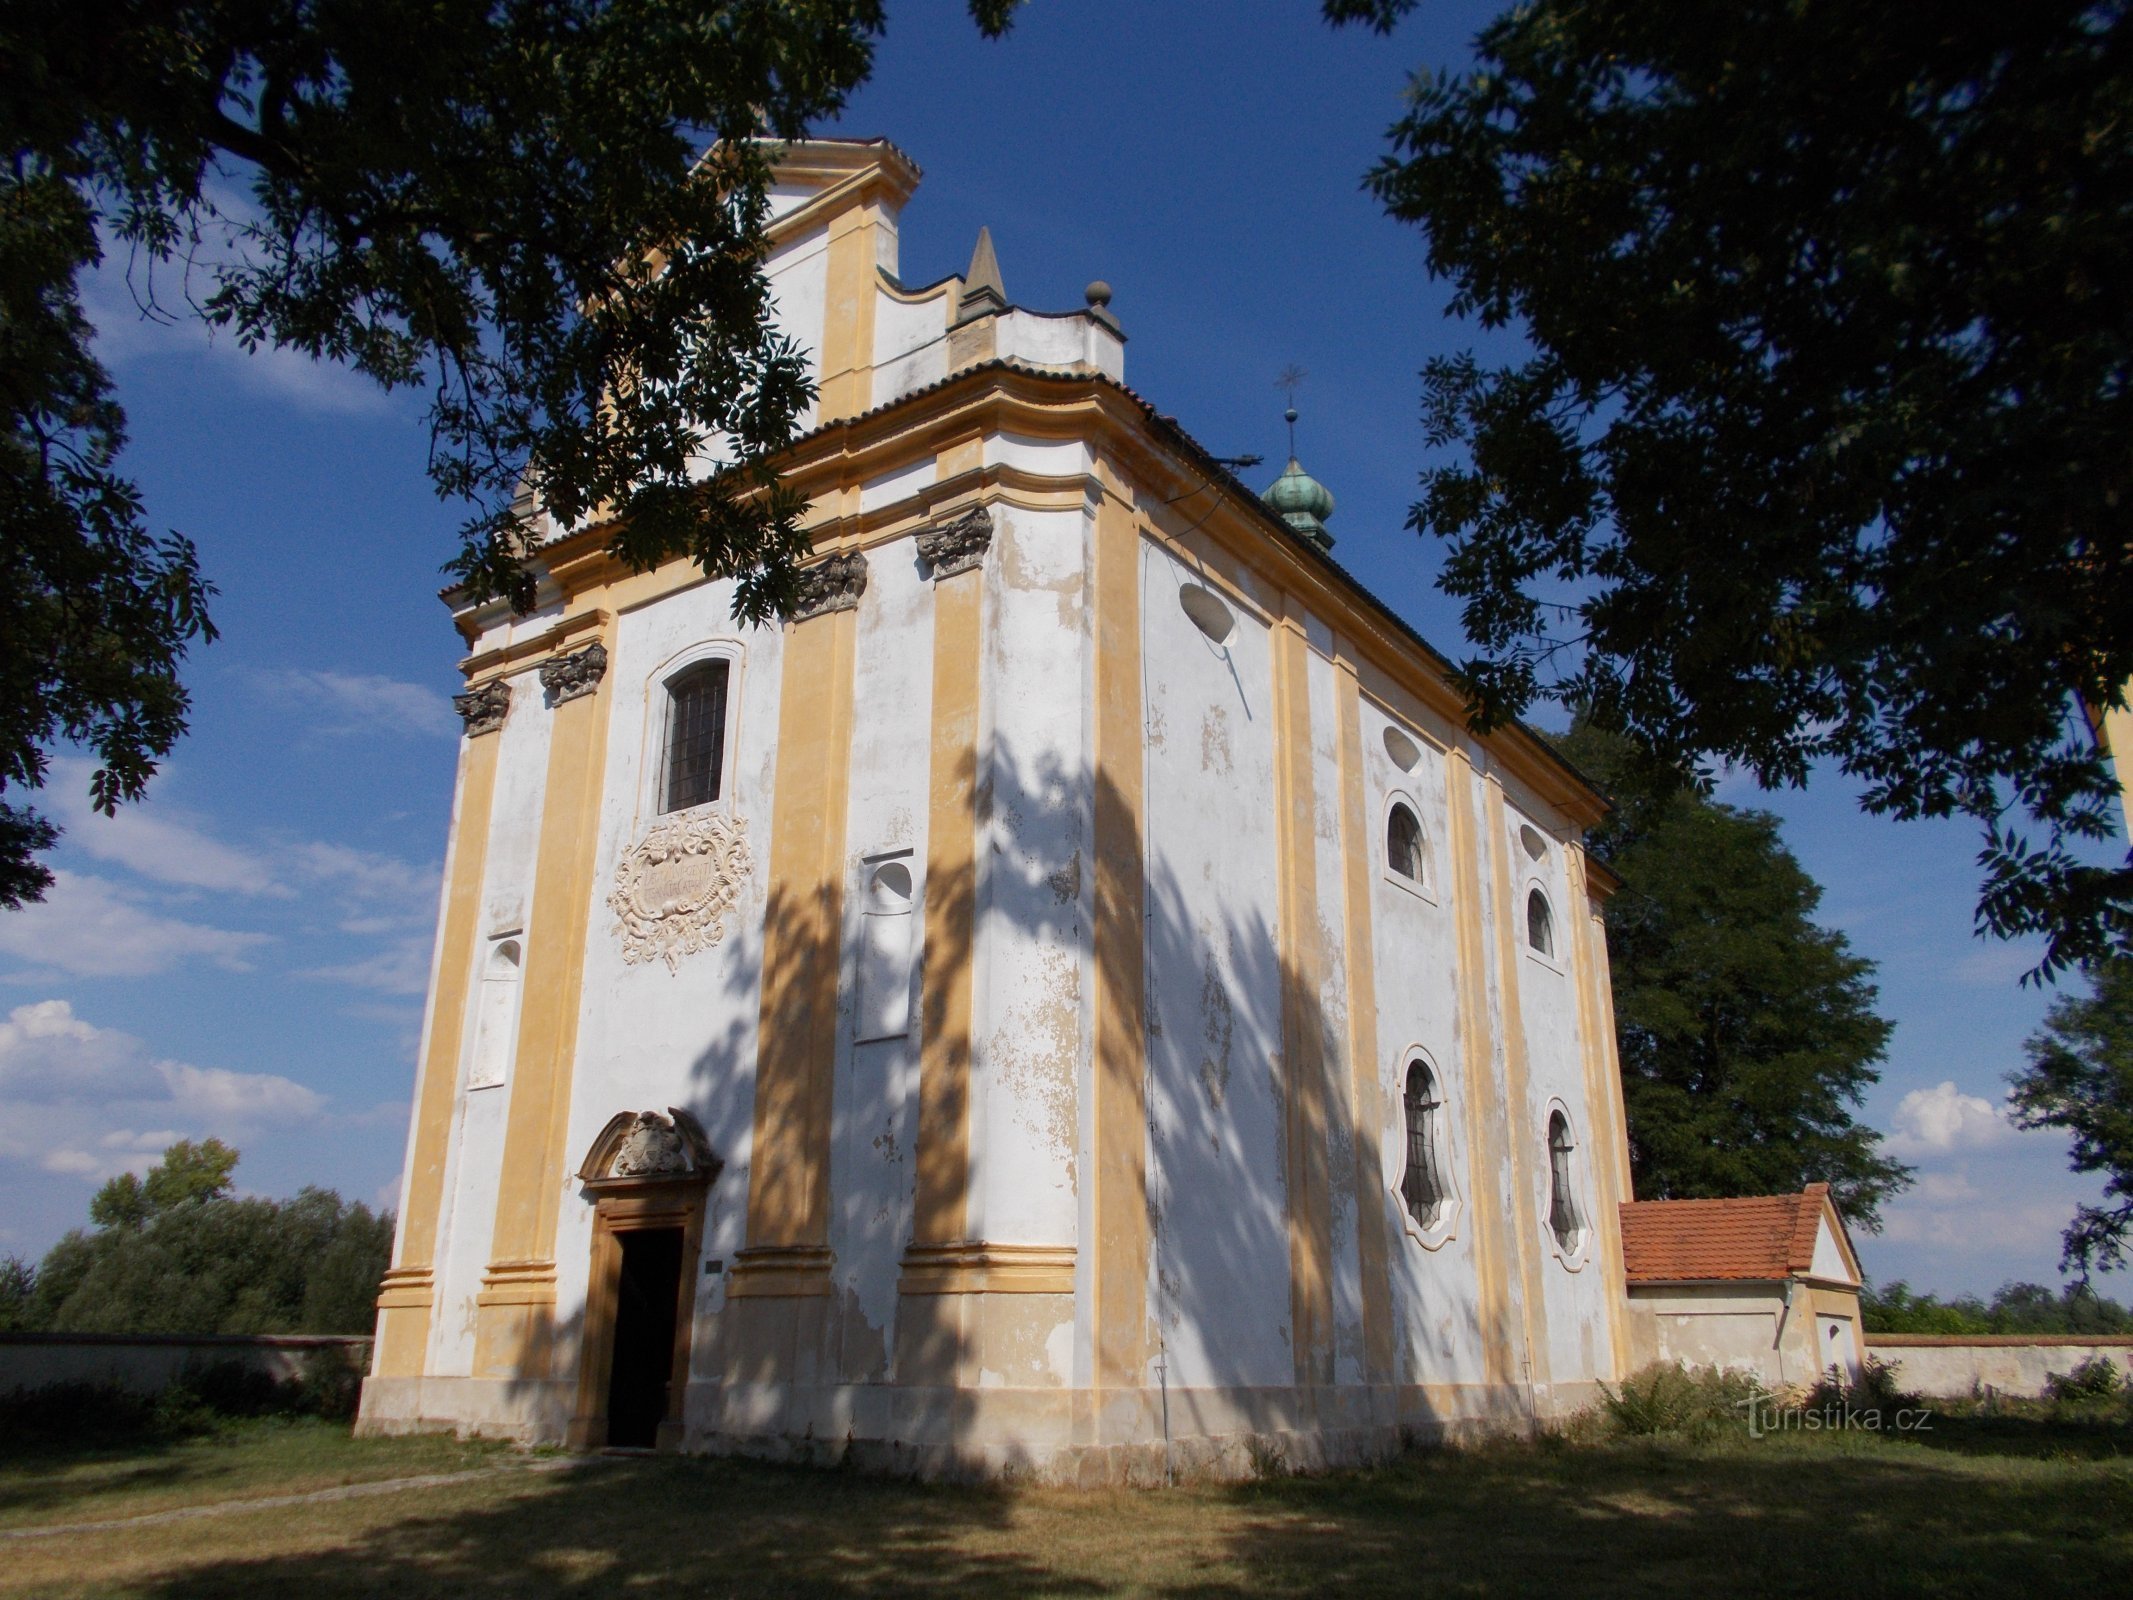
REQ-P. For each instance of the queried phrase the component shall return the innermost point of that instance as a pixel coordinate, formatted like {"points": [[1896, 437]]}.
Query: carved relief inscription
{"points": [[674, 888]]}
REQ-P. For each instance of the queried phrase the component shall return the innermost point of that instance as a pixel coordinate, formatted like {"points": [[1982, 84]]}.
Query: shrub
{"points": [[2097, 1378], [1668, 1398], [1875, 1389]]}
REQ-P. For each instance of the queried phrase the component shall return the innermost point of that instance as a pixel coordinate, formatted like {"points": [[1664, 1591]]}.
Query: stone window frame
{"points": [[657, 737], [1574, 1258], [1552, 957], [1452, 1210], [1425, 887]]}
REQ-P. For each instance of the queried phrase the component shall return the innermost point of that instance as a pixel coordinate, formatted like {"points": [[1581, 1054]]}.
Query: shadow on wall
{"points": [[1217, 1191]]}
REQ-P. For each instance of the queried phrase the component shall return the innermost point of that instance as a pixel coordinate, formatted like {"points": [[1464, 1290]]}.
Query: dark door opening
{"points": [[643, 1372]]}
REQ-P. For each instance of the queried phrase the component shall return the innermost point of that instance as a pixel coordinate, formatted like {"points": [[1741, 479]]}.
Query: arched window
{"points": [[1403, 843], [1563, 1218], [696, 736], [1540, 923], [1422, 1185]]}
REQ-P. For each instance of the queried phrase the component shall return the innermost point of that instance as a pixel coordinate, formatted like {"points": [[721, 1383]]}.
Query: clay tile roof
{"points": [[1764, 1236]]}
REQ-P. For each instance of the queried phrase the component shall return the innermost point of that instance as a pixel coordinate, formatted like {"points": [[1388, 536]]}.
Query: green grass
{"points": [[229, 1461], [1987, 1506]]}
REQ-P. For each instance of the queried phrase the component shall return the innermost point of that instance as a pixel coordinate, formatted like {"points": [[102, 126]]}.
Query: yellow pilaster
{"points": [[1484, 1109], [847, 379], [1305, 1102], [409, 1289], [515, 1318], [1121, 1176], [942, 1189], [1523, 1138], [1366, 1109], [788, 1173], [1605, 1136]]}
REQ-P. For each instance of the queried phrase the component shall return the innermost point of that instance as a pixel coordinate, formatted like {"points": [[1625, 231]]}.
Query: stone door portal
{"points": [[647, 1177]]}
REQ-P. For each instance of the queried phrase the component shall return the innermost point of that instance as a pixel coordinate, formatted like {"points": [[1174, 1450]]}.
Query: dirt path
{"points": [[346, 1491]]}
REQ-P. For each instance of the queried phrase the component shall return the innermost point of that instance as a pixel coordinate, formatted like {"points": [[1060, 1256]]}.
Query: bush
{"points": [[1874, 1389], [201, 1399], [2097, 1378], [1668, 1398]]}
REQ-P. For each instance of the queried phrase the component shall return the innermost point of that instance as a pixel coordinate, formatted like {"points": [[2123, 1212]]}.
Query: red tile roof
{"points": [[1764, 1236]]}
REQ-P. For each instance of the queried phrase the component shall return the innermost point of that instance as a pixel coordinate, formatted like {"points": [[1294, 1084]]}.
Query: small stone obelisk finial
{"points": [[983, 294]]}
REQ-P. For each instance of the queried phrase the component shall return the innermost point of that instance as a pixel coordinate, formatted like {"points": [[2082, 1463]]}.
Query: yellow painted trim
{"points": [[1120, 1316], [529, 1194], [1366, 1110], [940, 1202], [2116, 730], [974, 1267], [853, 449], [788, 1170], [1588, 964], [404, 1303], [1484, 1108], [1305, 1104], [847, 375], [1519, 1130]]}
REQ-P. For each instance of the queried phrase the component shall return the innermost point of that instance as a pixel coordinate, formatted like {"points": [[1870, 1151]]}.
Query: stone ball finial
{"points": [[1289, 415], [1098, 294]]}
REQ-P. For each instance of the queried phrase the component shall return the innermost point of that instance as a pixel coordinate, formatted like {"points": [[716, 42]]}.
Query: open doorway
{"points": [[640, 1381]]}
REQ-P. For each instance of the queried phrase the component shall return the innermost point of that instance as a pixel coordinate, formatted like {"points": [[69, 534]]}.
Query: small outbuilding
{"points": [[1765, 1284]]}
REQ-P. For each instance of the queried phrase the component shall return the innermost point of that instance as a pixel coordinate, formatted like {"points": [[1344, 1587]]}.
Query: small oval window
{"points": [[1403, 843], [1207, 612], [1529, 838], [1540, 923], [1404, 751]]}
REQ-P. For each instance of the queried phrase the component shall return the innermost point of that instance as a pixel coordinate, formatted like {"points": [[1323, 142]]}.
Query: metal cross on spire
{"points": [[1291, 379]]}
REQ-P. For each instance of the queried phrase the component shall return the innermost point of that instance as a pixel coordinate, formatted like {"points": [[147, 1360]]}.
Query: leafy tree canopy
{"points": [[1825, 442], [1747, 1032], [2080, 1080], [186, 1258], [502, 202], [188, 1171], [2015, 1308]]}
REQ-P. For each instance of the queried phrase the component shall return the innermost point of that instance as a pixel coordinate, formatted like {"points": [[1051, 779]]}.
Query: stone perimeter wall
{"points": [[148, 1363], [2014, 1364]]}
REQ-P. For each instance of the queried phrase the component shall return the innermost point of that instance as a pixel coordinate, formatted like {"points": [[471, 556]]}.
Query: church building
{"points": [[1071, 1001]]}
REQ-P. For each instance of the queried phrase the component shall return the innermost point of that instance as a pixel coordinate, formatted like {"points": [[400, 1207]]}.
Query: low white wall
{"points": [[147, 1363], [2014, 1364]]}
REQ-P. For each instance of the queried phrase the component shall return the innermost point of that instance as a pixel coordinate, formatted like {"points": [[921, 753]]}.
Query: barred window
{"points": [[1403, 843], [1563, 1216], [696, 735], [1540, 923], [1422, 1186]]}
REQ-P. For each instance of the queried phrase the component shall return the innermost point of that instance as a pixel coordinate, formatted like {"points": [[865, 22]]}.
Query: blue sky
{"points": [[245, 954]]}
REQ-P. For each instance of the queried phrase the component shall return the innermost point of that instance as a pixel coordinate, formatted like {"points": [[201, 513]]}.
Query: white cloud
{"points": [[1943, 1118], [145, 312], [367, 875], [93, 928], [158, 844], [65, 1081], [357, 702], [404, 968]]}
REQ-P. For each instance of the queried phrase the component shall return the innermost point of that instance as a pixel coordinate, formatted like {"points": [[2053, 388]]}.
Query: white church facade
{"points": [[1074, 996]]}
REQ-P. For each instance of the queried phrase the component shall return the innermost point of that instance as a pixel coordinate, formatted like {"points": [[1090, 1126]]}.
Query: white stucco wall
{"points": [[799, 285], [1435, 1275], [1219, 1263], [648, 1037], [874, 1113]]}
